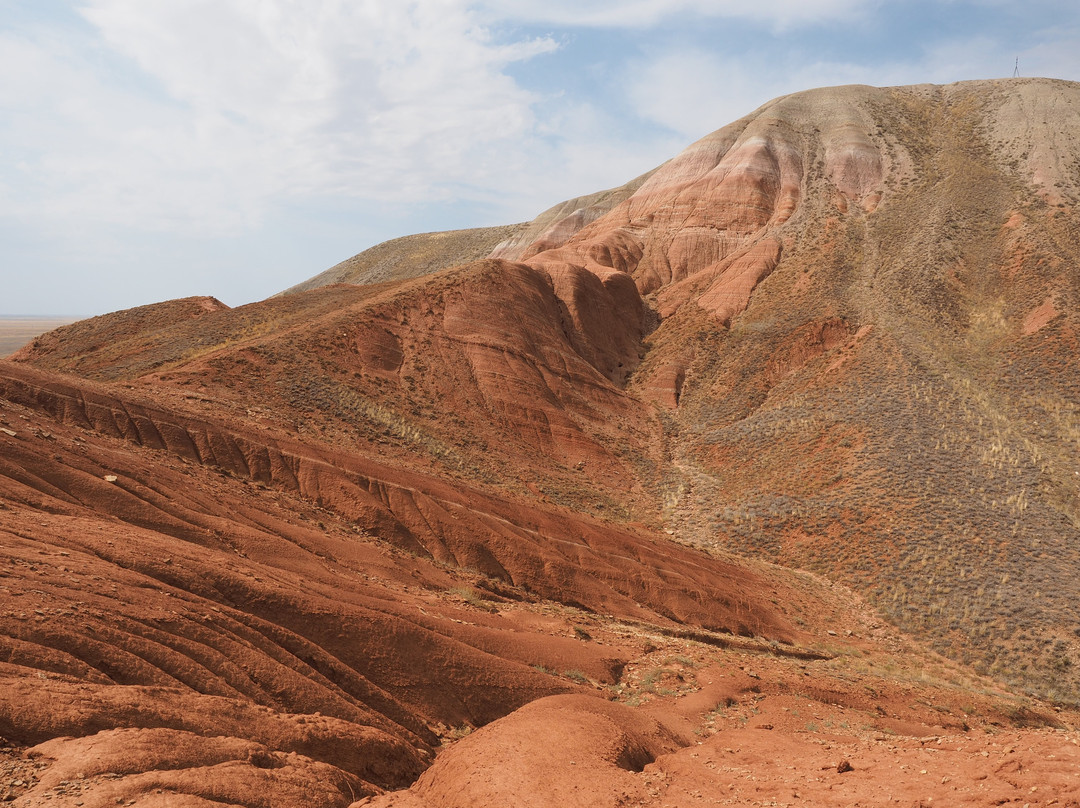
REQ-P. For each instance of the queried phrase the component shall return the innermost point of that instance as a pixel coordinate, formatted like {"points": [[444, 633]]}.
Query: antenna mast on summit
{"points": [[1016, 69]]}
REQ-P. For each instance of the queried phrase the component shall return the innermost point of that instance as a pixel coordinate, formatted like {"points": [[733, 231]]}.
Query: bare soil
{"points": [[750, 483]]}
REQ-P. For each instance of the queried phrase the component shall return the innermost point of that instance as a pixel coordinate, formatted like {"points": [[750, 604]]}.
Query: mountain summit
{"points": [[680, 445]]}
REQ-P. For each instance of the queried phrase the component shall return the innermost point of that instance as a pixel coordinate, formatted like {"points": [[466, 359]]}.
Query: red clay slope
{"points": [[181, 578], [185, 634], [330, 529], [868, 349], [475, 373]]}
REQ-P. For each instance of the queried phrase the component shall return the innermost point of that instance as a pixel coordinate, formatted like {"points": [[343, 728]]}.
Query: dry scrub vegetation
{"points": [[932, 463]]}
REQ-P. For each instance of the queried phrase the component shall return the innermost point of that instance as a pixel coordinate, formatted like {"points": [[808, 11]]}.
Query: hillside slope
{"points": [[422, 254], [838, 334], [897, 405], [413, 256]]}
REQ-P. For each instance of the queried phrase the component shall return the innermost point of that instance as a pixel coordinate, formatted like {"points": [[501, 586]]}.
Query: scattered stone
{"points": [[844, 766]]}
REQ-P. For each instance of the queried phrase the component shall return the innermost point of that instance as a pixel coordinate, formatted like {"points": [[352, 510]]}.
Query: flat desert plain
{"points": [[15, 332]]}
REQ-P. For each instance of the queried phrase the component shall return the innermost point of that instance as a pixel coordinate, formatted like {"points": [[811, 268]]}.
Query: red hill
{"points": [[285, 553]]}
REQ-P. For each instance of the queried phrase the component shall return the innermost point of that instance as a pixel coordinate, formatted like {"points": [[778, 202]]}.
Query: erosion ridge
{"points": [[339, 530]]}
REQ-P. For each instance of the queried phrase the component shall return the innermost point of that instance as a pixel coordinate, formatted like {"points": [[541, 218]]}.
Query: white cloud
{"points": [[695, 92], [644, 13], [211, 128], [238, 103], [202, 114]]}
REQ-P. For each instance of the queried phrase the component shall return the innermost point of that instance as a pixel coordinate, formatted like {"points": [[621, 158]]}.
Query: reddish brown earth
{"points": [[502, 534]]}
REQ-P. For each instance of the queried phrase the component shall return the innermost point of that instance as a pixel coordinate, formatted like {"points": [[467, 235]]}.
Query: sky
{"points": [[159, 149]]}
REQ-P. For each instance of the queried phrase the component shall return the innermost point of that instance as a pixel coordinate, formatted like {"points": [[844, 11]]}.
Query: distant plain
{"points": [[15, 332]]}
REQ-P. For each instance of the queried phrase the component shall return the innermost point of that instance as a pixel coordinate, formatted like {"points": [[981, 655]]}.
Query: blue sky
{"points": [[151, 150]]}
